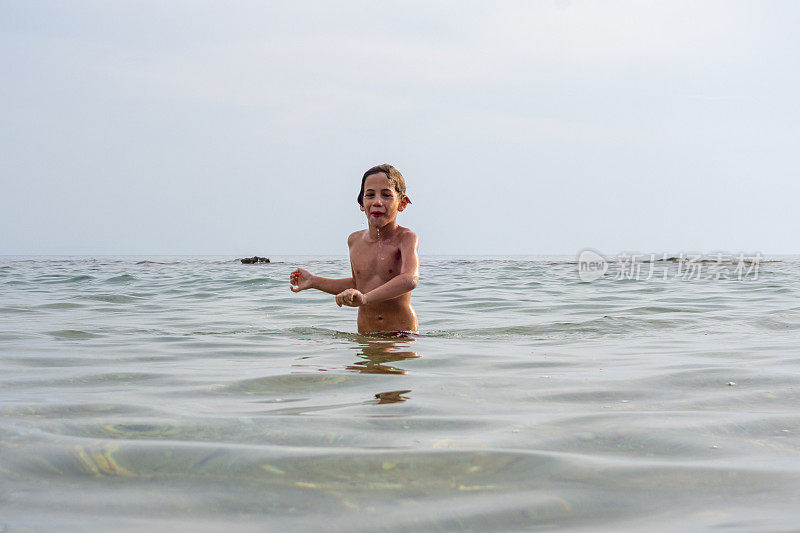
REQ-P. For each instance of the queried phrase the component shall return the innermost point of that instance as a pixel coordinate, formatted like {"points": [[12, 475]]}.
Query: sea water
{"points": [[198, 393]]}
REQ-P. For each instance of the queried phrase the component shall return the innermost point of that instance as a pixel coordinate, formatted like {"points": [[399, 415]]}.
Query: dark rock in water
{"points": [[254, 259]]}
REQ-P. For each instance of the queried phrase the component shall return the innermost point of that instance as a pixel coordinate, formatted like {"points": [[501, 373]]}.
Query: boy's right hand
{"points": [[300, 280]]}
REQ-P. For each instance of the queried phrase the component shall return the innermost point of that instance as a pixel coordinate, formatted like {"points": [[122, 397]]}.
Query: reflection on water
{"points": [[394, 396], [376, 351]]}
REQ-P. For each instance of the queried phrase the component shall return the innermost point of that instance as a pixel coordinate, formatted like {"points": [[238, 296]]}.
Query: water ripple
{"points": [[198, 393]]}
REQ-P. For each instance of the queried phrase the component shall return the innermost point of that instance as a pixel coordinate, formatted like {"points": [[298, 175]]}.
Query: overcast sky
{"points": [[189, 127]]}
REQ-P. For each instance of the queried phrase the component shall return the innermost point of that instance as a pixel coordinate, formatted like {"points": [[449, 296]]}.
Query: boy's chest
{"points": [[379, 259]]}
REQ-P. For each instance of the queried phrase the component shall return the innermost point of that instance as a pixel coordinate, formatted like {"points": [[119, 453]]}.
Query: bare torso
{"points": [[374, 262]]}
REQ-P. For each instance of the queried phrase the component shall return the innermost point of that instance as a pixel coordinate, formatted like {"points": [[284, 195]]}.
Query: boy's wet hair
{"points": [[394, 176]]}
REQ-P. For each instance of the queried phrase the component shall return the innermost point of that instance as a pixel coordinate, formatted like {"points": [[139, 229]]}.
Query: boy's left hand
{"points": [[351, 298]]}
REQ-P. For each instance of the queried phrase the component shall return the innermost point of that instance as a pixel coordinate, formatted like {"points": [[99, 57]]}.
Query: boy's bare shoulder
{"points": [[355, 236], [407, 236]]}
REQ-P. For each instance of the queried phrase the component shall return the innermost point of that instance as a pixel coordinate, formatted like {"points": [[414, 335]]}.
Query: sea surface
{"points": [[200, 394]]}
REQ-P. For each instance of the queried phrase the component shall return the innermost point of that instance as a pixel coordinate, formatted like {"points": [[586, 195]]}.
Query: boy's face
{"points": [[381, 200]]}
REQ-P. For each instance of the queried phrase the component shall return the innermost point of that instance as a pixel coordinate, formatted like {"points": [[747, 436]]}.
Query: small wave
{"points": [[290, 384], [11, 337], [73, 334], [121, 278], [326, 333], [321, 332], [201, 295], [256, 281], [722, 261], [64, 411], [73, 279], [60, 305], [602, 326], [303, 332], [223, 332], [14, 310], [111, 298]]}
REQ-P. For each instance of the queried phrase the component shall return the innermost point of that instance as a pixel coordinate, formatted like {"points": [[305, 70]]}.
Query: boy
{"points": [[383, 259]]}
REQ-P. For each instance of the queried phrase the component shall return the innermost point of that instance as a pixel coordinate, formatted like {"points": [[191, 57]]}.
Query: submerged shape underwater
{"points": [[199, 392]]}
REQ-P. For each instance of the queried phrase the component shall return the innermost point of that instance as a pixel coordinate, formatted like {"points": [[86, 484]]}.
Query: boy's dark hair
{"points": [[394, 176]]}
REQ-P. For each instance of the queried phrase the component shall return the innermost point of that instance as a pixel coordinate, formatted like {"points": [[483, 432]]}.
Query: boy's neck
{"points": [[382, 233]]}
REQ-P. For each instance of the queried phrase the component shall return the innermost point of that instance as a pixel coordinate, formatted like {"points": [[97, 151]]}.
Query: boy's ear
{"points": [[403, 203], [361, 207]]}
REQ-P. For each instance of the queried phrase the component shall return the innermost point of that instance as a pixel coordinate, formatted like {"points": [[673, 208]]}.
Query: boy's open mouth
{"points": [[376, 214]]}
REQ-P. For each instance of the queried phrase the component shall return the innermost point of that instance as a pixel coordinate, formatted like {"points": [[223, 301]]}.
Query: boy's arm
{"points": [[301, 279], [406, 280], [332, 286]]}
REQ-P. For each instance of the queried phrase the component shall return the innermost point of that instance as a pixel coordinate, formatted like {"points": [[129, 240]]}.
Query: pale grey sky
{"points": [[188, 127]]}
